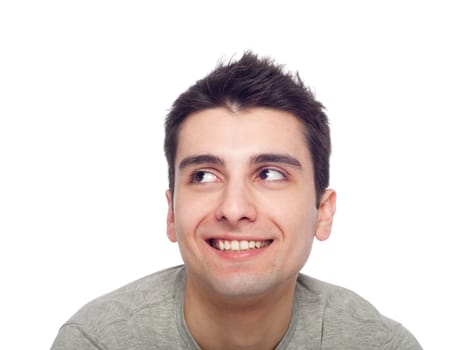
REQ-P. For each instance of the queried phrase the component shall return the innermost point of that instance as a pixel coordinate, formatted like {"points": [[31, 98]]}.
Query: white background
{"points": [[84, 89]]}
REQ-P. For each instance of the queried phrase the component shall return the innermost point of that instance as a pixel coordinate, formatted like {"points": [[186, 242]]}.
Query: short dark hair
{"points": [[253, 81]]}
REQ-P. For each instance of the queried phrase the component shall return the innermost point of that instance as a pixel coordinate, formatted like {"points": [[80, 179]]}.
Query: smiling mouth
{"points": [[235, 246]]}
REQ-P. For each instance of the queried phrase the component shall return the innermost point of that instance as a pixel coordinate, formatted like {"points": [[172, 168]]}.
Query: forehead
{"points": [[226, 133]]}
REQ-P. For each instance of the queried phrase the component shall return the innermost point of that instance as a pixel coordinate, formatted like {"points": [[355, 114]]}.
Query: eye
{"points": [[269, 174], [202, 176]]}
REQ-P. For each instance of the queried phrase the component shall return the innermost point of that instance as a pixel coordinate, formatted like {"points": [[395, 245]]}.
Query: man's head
{"points": [[254, 82], [248, 150]]}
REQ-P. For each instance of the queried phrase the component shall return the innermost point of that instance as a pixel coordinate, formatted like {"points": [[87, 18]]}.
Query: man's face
{"points": [[244, 205]]}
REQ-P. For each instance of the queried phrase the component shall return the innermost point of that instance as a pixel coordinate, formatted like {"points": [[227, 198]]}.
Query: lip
{"points": [[236, 237]]}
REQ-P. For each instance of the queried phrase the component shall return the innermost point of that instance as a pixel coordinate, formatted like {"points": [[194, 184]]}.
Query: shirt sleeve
{"points": [[400, 338], [72, 337]]}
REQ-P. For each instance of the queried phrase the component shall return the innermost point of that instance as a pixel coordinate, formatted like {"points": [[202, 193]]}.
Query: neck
{"points": [[256, 322]]}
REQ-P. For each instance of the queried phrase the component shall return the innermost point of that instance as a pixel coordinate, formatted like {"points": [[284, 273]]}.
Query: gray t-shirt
{"points": [[148, 314]]}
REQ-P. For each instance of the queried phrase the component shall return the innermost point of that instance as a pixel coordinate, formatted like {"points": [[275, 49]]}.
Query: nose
{"points": [[236, 204]]}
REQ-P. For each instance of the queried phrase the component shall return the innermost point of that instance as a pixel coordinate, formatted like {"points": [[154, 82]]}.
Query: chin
{"points": [[244, 285]]}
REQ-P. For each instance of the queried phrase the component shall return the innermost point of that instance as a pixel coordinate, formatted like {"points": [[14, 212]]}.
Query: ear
{"points": [[324, 221], [170, 218]]}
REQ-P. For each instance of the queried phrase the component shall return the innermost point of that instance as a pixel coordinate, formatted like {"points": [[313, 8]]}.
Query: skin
{"points": [[244, 175]]}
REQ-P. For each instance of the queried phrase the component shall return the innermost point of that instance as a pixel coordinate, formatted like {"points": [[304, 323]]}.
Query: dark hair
{"points": [[249, 82]]}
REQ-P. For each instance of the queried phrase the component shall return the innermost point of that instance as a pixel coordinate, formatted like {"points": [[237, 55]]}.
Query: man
{"points": [[248, 154]]}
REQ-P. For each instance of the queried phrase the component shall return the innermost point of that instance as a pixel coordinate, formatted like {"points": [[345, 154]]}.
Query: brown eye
{"points": [[269, 174], [203, 177]]}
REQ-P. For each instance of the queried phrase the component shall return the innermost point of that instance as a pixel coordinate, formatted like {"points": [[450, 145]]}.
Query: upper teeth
{"points": [[238, 245]]}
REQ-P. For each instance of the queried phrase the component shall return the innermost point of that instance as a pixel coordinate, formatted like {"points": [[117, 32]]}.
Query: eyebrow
{"points": [[257, 159], [200, 159], [276, 158]]}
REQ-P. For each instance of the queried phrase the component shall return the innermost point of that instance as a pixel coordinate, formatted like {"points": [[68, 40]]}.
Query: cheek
{"points": [[293, 213], [188, 214], [300, 238], [296, 220]]}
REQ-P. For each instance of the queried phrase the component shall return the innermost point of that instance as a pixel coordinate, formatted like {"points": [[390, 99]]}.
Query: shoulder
{"points": [[129, 311], [337, 300], [132, 298], [348, 320]]}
